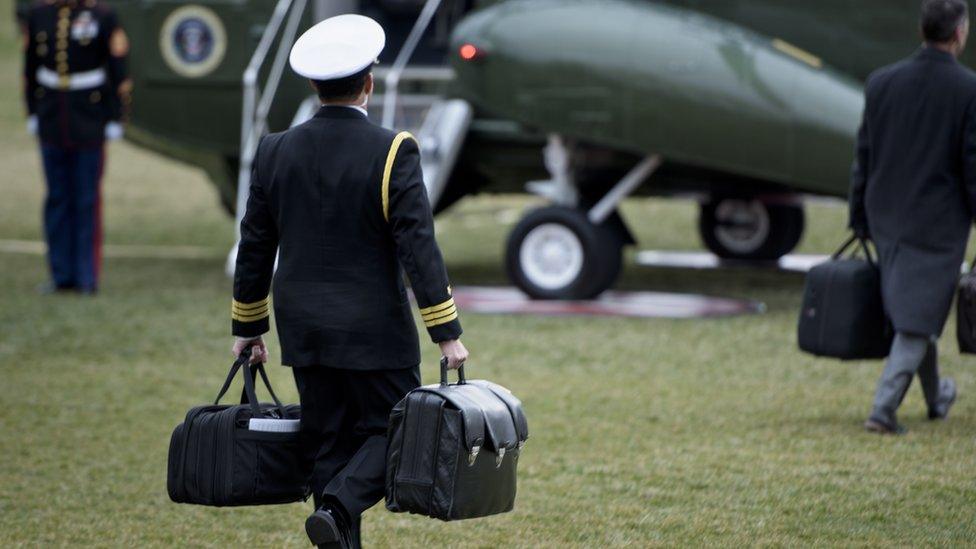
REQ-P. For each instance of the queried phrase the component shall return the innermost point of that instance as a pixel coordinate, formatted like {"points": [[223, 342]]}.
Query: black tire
{"points": [[777, 231], [599, 247]]}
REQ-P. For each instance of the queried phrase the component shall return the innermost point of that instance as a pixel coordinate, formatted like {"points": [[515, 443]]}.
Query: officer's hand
{"points": [[454, 352], [114, 131], [32, 124], [259, 351]]}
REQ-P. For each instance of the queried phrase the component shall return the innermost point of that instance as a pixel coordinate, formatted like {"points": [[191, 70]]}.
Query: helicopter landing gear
{"points": [[750, 229], [564, 251], [555, 252]]}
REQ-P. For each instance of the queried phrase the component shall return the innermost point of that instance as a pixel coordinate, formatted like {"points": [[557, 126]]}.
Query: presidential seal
{"points": [[193, 41]]}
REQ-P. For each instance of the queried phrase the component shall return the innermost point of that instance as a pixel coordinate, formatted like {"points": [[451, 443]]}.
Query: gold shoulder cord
{"points": [[388, 170]]}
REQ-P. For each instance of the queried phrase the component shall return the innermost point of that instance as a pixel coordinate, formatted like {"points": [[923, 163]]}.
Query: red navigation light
{"points": [[469, 52]]}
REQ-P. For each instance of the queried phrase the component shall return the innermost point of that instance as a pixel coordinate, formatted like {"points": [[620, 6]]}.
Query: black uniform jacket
{"points": [[68, 38], [343, 202], [914, 183]]}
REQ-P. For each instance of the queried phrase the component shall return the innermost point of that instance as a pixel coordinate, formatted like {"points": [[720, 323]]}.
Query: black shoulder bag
{"points": [[843, 314], [966, 313], [218, 458]]}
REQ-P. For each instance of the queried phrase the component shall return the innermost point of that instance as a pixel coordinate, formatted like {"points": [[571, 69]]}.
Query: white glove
{"points": [[114, 131], [32, 124]]}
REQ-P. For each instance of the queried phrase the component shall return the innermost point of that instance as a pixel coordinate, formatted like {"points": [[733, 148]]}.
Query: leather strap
{"points": [[248, 394], [871, 257]]}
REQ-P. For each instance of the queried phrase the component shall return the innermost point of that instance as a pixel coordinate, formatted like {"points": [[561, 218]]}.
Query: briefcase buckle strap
{"points": [[500, 457], [473, 455]]}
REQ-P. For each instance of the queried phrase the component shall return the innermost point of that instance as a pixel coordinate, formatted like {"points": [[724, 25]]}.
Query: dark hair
{"points": [[344, 88], [941, 18]]}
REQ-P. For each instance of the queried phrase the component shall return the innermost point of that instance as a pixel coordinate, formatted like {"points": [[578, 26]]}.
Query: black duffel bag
{"points": [[216, 459], [843, 314], [966, 313], [454, 450]]}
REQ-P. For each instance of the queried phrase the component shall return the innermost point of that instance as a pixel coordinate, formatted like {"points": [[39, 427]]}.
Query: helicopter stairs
{"points": [[439, 124]]}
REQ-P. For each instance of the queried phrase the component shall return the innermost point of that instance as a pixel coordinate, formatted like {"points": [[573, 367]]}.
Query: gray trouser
{"points": [[910, 354]]}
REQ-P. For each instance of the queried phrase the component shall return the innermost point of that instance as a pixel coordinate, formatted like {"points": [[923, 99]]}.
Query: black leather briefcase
{"points": [[843, 314], [966, 313], [454, 450], [217, 459]]}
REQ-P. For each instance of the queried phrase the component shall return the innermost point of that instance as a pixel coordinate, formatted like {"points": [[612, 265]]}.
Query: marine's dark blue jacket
{"points": [[65, 39]]}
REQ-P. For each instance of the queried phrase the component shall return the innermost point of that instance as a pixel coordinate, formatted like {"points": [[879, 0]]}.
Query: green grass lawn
{"points": [[644, 432]]}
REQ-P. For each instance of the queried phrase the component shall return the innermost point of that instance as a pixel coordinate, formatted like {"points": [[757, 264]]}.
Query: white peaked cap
{"points": [[337, 47]]}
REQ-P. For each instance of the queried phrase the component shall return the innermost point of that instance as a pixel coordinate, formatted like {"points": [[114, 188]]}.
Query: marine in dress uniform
{"points": [[343, 203], [77, 89], [914, 193]]}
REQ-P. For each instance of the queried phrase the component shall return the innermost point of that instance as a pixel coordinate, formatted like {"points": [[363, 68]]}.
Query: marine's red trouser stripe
{"points": [[97, 234]]}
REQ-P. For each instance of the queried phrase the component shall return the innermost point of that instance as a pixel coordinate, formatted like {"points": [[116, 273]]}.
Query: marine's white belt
{"points": [[75, 81]]}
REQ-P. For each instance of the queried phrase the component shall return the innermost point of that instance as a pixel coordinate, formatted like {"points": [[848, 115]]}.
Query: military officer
{"points": [[343, 204], [77, 89]]}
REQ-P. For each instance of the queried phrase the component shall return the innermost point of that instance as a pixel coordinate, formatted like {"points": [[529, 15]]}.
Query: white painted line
{"points": [[799, 263], [125, 251]]}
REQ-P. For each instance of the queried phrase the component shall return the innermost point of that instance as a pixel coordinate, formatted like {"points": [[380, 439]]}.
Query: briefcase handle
{"points": [[864, 246], [461, 380], [249, 394]]}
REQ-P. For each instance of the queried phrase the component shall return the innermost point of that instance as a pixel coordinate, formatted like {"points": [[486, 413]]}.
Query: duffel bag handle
{"points": [[248, 394], [864, 246], [461, 380]]}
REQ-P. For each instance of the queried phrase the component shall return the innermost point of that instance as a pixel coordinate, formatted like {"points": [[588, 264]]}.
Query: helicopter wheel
{"points": [[750, 229], [557, 253]]}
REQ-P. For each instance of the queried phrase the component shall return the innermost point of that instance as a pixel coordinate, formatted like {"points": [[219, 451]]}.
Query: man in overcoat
{"points": [[913, 193]]}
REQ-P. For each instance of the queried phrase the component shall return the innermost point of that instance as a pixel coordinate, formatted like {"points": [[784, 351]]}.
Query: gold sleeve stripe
{"points": [[388, 170], [442, 314], [440, 321], [250, 318], [251, 306], [251, 312], [438, 307]]}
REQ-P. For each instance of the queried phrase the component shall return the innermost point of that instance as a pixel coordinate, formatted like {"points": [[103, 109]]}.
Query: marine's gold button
{"points": [[61, 56], [63, 68], [62, 44], [95, 96], [42, 50], [41, 36]]}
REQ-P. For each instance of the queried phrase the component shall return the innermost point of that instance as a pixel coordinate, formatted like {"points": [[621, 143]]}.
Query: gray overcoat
{"points": [[914, 183]]}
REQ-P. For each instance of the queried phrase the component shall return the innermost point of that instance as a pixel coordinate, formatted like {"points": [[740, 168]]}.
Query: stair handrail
{"points": [[257, 102], [392, 80]]}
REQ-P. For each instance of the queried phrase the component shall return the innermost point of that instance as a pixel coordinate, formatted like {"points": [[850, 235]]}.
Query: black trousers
{"points": [[345, 415]]}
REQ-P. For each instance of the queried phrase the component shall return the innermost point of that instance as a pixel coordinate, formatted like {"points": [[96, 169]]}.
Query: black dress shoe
{"points": [[884, 426], [947, 397], [326, 528]]}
